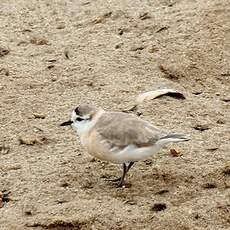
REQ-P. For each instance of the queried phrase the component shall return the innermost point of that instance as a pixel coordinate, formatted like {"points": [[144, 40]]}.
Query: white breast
{"points": [[82, 127]]}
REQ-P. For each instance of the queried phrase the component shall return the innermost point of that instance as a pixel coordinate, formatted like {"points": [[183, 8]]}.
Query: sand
{"points": [[57, 54]]}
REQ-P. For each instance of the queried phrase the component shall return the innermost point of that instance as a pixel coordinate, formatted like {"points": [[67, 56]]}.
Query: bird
{"points": [[118, 137]]}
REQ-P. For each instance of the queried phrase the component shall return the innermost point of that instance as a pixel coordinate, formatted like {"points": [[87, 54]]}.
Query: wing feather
{"points": [[122, 129]]}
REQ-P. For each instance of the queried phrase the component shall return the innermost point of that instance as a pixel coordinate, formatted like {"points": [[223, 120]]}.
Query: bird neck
{"points": [[84, 127]]}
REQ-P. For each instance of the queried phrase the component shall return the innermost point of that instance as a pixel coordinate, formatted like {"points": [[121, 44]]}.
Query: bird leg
{"points": [[129, 166], [121, 179], [114, 180], [125, 170]]}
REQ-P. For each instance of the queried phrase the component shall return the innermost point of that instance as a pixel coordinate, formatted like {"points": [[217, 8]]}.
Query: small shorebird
{"points": [[118, 137]]}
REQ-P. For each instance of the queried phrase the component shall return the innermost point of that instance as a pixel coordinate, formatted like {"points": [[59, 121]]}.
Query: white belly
{"points": [[132, 153], [101, 150]]}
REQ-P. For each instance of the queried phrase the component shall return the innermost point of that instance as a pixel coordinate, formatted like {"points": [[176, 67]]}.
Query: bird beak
{"points": [[66, 123]]}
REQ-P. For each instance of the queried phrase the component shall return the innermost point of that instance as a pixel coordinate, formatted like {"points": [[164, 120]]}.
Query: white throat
{"points": [[83, 127]]}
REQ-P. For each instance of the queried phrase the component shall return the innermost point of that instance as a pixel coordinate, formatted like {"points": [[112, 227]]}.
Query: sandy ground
{"points": [[57, 54]]}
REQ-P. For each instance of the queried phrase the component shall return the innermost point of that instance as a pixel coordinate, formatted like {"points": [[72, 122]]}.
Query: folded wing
{"points": [[121, 130]]}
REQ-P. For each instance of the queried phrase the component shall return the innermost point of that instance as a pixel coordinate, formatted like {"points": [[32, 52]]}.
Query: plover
{"points": [[119, 137]]}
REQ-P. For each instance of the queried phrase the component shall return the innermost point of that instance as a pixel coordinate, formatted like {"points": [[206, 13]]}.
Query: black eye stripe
{"points": [[79, 119]]}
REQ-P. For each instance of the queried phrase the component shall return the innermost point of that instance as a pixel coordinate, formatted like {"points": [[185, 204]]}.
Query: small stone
{"points": [[61, 201], [32, 140], [101, 19], [201, 127], [90, 84], [108, 14], [139, 113], [4, 149], [130, 202], [66, 53], [221, 121], [226, 170], [39, 41], [118, 46], [87, 184], [209, 185], [127, 185], [39, 115], [227, 184], [28, 213], [64, 184], [29, 209], [171, 72], [53, 78], [50, 66], [212, 149], [4, 71], [85, 3], [175, 153], [158, 207], [36, 129], [162, 29], [145, 16], [61, 26], [98, 20], [226, 99], [93, 159], [197, 92], [1, 202], [51, 60], [163, 191], [197, 216], [153, 49], [148, 162], [136, 48], [22, 43], [3, 51], [4, 196], [120, 31], [15, 167], [26, 30]]}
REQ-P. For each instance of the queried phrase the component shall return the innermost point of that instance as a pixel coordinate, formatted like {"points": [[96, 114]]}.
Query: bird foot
{"points": [[114, 180]]}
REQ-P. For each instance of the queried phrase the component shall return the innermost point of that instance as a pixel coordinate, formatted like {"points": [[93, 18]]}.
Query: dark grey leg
{"points": [[125, 170], [121, 182], [130, 165], [119, 178]]}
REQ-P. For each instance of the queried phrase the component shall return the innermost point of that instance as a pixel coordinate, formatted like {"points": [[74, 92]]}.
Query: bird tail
{"points": [[173, 137]]}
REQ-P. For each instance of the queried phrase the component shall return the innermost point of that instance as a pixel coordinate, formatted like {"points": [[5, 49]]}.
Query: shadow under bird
{"points": [[119, 137]]}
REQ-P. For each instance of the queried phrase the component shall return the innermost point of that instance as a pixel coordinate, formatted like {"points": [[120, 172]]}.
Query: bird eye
{"points": [[79, 119], [77, 110]]}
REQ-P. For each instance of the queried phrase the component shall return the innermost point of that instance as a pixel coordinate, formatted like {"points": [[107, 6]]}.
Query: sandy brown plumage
{"points": [[122, 129]]}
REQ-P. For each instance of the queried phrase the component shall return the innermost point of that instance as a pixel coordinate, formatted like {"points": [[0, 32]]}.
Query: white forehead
{"points": [[73, 116]]}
